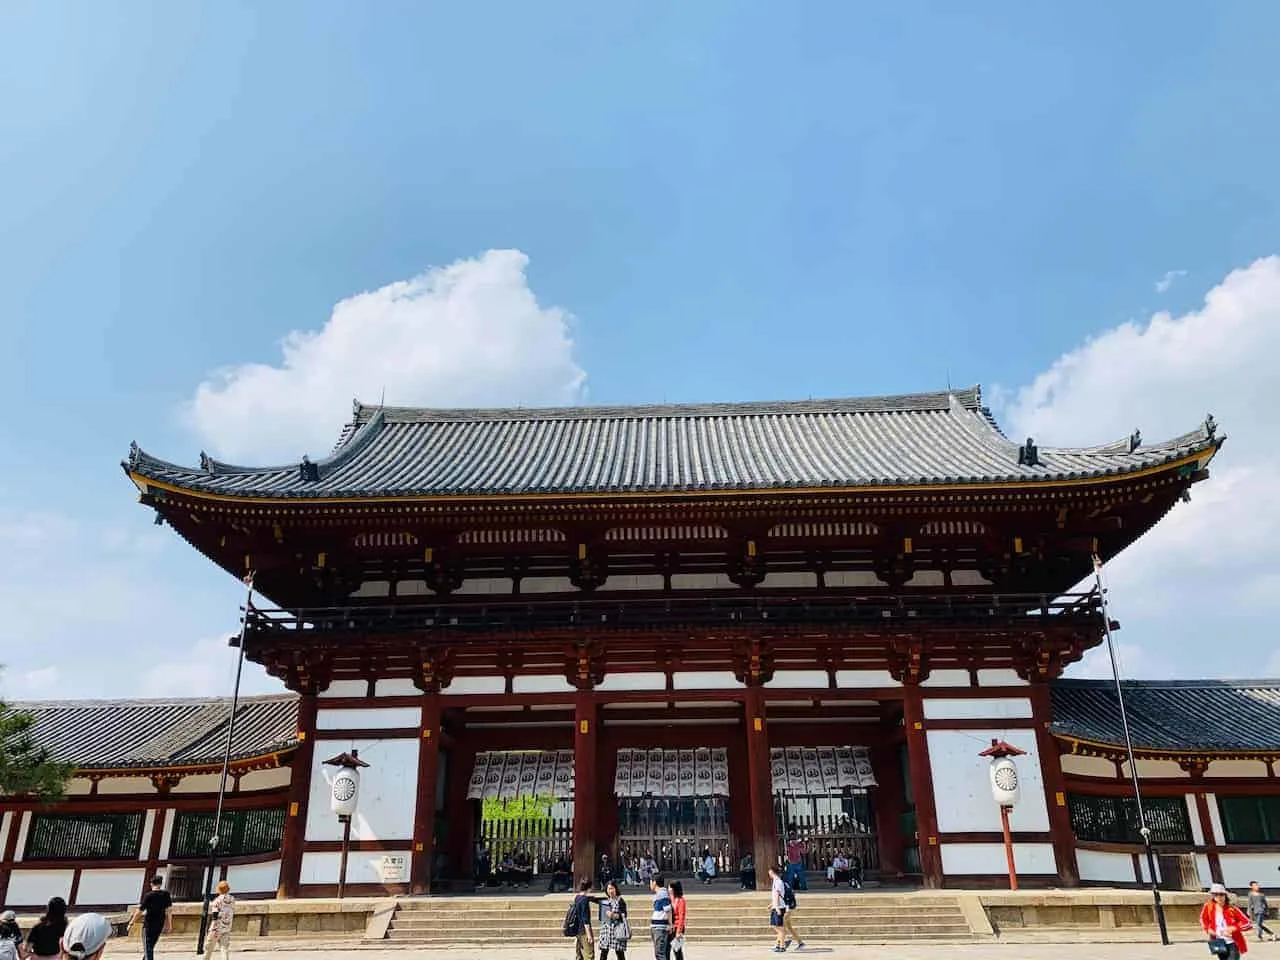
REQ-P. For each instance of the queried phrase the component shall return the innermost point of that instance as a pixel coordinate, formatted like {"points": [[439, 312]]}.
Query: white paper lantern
{"points": [[1006, 787], [345, 791]]}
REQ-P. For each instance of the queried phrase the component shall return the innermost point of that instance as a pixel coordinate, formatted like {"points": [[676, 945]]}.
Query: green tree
{"points": [[25, 766]]}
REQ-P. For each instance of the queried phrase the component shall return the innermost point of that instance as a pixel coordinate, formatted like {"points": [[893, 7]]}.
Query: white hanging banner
{"points": [[778, 771], [670, 773], [639, 773], [545, 784], [653, 775], [528, 775], [812, 772], [686, 773], [795, 770], [862, 760], [622, 774], [493, 776], [719, 772], [475, 786], [564, 775], [830, 772], [510, 788], [846, 769], [702, 772]]}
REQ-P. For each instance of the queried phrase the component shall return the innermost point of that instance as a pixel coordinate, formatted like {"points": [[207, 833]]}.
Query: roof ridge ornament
{"points": [[1029, 454], [135, 453], [307, 471], [206, 462], [1210, 425], [1135, 440]]}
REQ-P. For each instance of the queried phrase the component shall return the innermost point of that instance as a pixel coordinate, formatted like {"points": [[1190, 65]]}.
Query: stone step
{"points": [[700, 918], [763, 936]]}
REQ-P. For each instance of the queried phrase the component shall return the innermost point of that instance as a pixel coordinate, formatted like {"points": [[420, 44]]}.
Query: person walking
{"points": [[615, 928], [679, 914], [1224, 925], [582, 906], [1258, 910], [156, 911], [782, 902], [221, 914], [662, 919], [44, 937]]}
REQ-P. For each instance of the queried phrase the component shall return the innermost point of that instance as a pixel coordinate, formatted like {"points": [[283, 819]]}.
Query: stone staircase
{"points": [[822, 917]]}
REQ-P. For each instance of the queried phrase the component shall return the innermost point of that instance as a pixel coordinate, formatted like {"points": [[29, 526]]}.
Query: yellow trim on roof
{"points": [[1201, 458], [1167, 753]]}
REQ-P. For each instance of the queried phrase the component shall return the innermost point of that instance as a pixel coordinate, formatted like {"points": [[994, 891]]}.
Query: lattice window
{"points": [[1250, 819], [809, 530], [1115, 819], [952, 528], [511, 536], [84, 836], [400, 538], [242, 833], [693, 532]]}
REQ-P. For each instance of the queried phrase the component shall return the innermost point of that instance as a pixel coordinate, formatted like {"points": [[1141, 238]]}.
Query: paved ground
{"points": [[1002, 951]]}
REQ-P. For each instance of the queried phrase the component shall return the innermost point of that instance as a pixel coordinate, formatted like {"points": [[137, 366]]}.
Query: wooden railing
{"points": [[459, 617]]}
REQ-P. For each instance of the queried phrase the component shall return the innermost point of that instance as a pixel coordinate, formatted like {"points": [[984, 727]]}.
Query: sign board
{"points": [[395, 868]]}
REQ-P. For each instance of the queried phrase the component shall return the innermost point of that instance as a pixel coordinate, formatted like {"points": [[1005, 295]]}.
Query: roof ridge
{"points": [[940, 400], [1092, 683], [21, 705]]}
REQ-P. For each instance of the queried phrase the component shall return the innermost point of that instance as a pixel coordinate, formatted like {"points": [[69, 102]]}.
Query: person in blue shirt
{"points": [[661, 920]]}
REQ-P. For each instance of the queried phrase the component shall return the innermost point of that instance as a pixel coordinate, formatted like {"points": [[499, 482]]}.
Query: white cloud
{"points": [[206, 669], [471, 333], [1196, 595], [1165, 282]]}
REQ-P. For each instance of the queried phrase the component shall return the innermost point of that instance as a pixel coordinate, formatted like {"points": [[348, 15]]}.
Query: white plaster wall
{"points": [[490, 586], [705, 680], [967, 708], [968, 578], [1087, 766], [373, 718], [1193, 817], [396, 687], [266, 779], [800, 680], [345, 688], [23, 823], [541, 683], [388, 791], [652, 581], [961, 784], [361, 867], [110, 888], [1236, 768], [206, 783], [5, 820], [547, 585], [79, 786], [614, 682], [852, 578], [254, 877], [702, 581], [861, 679], [1157, 768], [1002, 677], [166, 838], [947, 678], [926, 578], [34, 888], [1238, 869], [1105, 867], [988, 858], [803, 579], [464, 685], [1146, 870], [148, 824], [111, 785], [1215, 818], [1202, 870]]}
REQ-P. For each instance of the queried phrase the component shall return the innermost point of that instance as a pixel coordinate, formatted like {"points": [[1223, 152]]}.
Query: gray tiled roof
{"points": [[99, 734], [931, 438], [1194, 715]]}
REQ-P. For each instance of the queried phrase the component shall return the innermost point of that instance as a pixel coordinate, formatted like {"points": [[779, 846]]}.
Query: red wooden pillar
{"points": [[459, 813], [1055, 787], [764, 827], [424, 818], [1211, 851], [889, 802], [295, 822], [10, 850], [586, 773], [922, 787]]}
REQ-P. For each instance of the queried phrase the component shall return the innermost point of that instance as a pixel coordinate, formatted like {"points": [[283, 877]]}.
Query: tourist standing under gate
{"points": [[156, 911], [662, 919]]}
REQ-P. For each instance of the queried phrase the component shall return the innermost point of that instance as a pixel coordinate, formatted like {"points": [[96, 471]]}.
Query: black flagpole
{"points": [[1128, 745], [226, 764]]}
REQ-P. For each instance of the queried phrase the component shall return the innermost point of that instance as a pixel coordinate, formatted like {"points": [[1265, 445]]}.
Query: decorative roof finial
{"points": [[1029, 454], [205, 462], [135, 453], [1210, 425], [308, 471], [1135, 440]]}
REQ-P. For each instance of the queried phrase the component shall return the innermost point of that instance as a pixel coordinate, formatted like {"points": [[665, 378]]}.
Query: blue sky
{"points": [[727, 200]]}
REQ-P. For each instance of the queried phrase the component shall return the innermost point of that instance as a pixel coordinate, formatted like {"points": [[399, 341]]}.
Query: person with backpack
{"points": [[662, 919], [782, 903], [10, 936], [577, 921]]}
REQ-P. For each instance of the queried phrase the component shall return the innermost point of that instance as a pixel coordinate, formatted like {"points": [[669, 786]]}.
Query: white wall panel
{"points": [[651, 581], [861, 679], [946, 678], [802, 579], [492, 586], [1236, 768], [464, 685], [962, 790], [799, 680], [5, 821], [1001, 677], [396, 687], [1087, 766], [1215, 818], [541, 683], [969, 708], [110, 888], [254, 877], [1238, 869], [34, 888], [148, 824], [23, 824], [345, 688], [1202, 870], [166, 838], [988, 858], [614, 682], [266, 779], [112, 785], [1193, 817], [373, 718], [705, 680], [361, 867], [205, 783], [388, 791], [1105, 867], [702, 581]]}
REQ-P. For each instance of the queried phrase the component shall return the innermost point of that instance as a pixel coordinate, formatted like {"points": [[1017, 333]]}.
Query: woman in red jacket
{"points": [[1224, 924], [678, 913]]}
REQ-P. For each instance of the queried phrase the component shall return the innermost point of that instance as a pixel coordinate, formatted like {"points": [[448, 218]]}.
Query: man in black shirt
{"points": [[156, 910]]}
